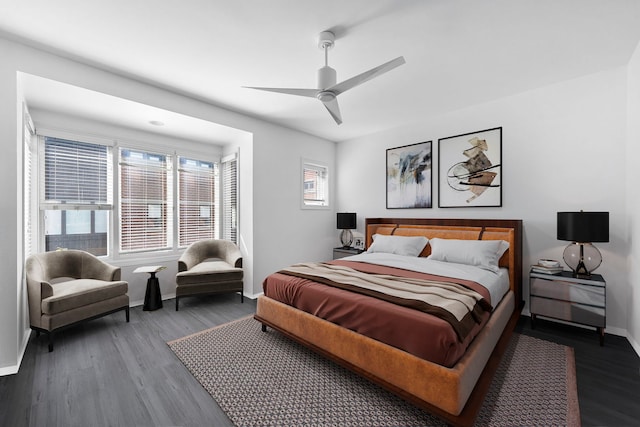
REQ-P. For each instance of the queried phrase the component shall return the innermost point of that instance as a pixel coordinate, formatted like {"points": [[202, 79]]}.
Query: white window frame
{"points": [[322, 168], [38, 189]]}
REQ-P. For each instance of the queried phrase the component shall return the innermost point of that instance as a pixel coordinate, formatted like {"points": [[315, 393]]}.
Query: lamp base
{"points": [[346, 237], [582, 258]]}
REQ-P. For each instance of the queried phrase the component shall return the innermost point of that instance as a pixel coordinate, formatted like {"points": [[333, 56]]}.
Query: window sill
{"points": [[140, 258]]}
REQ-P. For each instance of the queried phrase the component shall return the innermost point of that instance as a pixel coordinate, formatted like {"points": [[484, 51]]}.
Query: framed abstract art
{"points": [[470, 169], [409, 176]]}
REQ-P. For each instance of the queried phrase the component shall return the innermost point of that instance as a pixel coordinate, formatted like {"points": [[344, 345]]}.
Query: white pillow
{"points": [[399, 245], [481, 253]]}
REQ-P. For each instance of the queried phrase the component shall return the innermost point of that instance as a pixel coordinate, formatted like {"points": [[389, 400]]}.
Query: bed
{"points": [[451, 386]]}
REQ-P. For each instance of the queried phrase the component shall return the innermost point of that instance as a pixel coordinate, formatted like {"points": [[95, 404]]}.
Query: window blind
{"points": [[230, 199], [145, 209], [75, 194], [197, 184], [76, 175], [28, 198]]}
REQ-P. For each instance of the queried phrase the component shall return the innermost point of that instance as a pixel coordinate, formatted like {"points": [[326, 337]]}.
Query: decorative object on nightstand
{"points": [[562, 296], [582, 229], [346, 222], [358, 243], [547, 266]]}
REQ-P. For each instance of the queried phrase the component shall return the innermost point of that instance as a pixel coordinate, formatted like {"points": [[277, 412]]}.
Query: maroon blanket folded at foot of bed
{"points": [[418, 333]]}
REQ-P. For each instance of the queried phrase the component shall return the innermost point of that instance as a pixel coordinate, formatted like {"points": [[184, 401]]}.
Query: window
{"points": [[197, 184], [145, 209], [75, 194], [315, 185], [163, 201], [230, 198], [28, 197]]}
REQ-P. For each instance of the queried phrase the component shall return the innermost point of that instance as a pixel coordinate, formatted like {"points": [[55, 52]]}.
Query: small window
{"points": [[315, 185]]}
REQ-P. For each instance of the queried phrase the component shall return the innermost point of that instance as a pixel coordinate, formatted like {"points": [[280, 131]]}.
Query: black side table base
{"points": [[152, 297]]}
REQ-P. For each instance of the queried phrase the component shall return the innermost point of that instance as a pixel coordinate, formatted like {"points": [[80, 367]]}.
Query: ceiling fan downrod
{"points": [[327, 76]]}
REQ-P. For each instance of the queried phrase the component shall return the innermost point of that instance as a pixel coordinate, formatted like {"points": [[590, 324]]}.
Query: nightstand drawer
{"points": [[344, 252], [568, 291], [578, 313]]}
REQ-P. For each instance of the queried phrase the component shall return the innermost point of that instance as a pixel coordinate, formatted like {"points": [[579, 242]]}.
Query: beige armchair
{"points": [[209, 266], [71, 286]]}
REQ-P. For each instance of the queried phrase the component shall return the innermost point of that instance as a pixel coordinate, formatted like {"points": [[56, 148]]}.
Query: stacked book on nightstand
{"points": [[547, 266]]}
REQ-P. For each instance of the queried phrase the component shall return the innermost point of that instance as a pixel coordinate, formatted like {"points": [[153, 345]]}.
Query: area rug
{"points": [[266, 379]]}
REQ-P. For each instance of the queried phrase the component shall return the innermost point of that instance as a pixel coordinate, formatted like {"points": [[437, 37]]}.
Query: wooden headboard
{"points": [[509, 230]]}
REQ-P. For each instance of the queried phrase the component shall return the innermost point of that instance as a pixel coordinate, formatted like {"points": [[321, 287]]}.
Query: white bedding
{"points": [[496, 283]]}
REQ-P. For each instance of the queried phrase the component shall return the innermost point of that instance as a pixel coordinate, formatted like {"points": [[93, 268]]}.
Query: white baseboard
{"points": [[634, 344], [254, 296], [172, 296], [13, 369], [9, 370]]}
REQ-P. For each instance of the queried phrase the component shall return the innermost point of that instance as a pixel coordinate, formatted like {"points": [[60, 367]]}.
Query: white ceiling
{"points": [[458, 52]]}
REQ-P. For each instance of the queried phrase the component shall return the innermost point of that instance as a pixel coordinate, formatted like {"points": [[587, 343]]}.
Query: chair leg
{"points": [[50, 341], [127, 313], [177, 299], [242, 296]]}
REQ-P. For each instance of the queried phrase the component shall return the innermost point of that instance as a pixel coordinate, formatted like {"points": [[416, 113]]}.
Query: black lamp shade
{"points": [[583, 227], [346, 221]]}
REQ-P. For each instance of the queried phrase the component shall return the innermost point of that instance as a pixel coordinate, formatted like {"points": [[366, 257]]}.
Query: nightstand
{"points": [[561, 296], [343, 252]]}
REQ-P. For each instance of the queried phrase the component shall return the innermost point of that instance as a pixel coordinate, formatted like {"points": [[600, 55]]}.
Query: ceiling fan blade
{"points": [[333, 109], [311, 93], [367, 75]]}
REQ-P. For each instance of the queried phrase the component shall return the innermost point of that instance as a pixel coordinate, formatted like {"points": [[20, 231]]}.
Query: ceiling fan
{"points": [[328, 90]]}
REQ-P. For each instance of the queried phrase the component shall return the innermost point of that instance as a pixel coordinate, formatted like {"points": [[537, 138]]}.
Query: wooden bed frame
{"points": [[454, 394]]}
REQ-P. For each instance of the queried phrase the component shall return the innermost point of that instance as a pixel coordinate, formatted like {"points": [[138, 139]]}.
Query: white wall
{"points": [[272, 213], [563, 148], [633, 199], [244, 149], [283, 239], [10, 219]]}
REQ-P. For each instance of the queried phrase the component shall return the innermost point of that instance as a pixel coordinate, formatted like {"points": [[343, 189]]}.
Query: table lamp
{"points": [[346, 223], [582, 229]]}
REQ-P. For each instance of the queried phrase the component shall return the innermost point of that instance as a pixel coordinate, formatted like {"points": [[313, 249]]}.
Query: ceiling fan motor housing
{"points": [[326, 96], [327, 77]]}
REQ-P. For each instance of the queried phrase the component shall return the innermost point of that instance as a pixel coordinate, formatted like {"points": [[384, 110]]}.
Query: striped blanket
{"points": [[458, 305]]}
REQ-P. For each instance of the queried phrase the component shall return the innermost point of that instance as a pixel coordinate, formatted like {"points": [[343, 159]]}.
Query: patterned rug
{"points": [[266, 379]]}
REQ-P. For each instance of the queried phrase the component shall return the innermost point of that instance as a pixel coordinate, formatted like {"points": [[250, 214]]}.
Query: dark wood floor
{"points": [[108, 372], [608, 377]]}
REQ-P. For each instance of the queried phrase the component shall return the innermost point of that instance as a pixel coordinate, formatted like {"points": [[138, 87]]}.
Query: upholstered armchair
{"points": [[71, 286], [209, 266]]}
